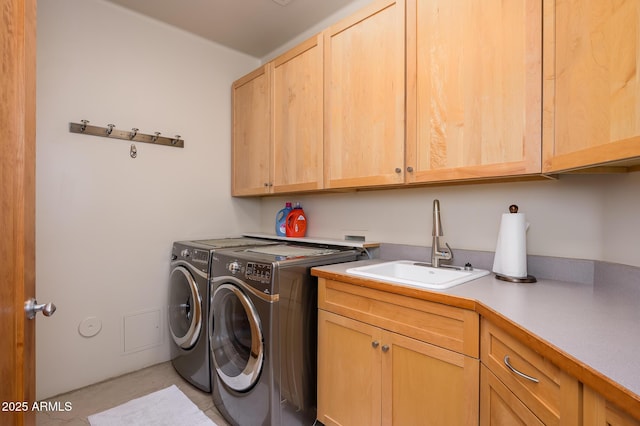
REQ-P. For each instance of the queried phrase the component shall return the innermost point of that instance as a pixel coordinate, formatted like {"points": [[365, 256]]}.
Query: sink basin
{"points": [[416, 274]]}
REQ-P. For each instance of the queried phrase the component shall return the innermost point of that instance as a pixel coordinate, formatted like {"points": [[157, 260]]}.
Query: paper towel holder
{"points": [[527, 279], [513, 208]]}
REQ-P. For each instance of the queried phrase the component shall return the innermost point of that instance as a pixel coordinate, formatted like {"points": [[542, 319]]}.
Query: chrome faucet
{"points": [[437, 253]]}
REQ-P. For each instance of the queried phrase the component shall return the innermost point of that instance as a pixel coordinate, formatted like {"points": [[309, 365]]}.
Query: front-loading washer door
{"points": [[185, 308], [237, 344]]}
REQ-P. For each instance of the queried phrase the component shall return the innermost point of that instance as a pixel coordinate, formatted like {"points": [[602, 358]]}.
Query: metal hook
{"points": [[133, 151], [84, 125], [133, 133], [176, 140], [110, 128], [155, 138]]}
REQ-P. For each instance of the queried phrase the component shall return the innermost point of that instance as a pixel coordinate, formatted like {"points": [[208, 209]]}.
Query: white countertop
{"points": [[597, 325]]}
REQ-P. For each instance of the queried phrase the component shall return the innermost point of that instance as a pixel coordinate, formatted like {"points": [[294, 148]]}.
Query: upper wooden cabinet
{"points": [[412, 91], [592, 86], [297, 118], [474, 89], [251, 133], [364, 97], [277, 124]]}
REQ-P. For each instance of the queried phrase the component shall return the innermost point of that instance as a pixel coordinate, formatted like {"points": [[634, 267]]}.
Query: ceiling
{"points": [[255, 27]]}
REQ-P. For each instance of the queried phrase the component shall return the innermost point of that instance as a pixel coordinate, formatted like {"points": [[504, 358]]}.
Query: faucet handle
{"points": [[447, 254]]}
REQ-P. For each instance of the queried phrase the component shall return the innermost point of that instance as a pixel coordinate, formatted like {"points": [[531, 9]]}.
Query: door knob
{"points": [[31, 308]]}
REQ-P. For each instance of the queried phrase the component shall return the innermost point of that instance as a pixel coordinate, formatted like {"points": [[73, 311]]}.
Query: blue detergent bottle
{"points": [[281, 220]]}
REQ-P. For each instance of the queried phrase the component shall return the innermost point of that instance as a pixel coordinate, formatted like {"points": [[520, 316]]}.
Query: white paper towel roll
{"points": [[511, 250]]}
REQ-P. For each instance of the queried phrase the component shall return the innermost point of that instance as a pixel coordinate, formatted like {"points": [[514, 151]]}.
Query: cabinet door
{"points": [[474, 89], [499, 406], [297, 114], [600, 412], [426, 384], [593, 83], [348, 371], [364, 97], [251, 137]]}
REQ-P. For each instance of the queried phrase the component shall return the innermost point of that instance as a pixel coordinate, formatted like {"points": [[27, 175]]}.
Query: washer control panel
{"points": [[200, 256], [195, 255], [260, 272], [234, 267], [198, 259]]}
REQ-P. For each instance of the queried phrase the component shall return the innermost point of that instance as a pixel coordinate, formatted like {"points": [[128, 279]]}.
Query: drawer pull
{"points": [[385, 348], [506, 362]]}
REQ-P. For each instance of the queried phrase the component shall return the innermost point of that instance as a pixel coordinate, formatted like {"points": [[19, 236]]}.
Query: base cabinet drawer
{"points": [[550, 393], [449, 327]]}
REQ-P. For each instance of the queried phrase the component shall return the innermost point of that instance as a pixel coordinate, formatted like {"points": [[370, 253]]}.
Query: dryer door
{"points": [[185, 308], [237, 344]]}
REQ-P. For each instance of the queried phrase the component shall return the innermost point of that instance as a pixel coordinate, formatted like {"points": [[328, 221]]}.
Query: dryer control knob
{"points": [[185, 253], [234, 267]]}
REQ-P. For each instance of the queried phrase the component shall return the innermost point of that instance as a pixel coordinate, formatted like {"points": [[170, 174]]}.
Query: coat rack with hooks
{"points": [[129, 135]]}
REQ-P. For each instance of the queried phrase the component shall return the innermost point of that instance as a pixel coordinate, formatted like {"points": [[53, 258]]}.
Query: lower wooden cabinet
{"points": [[500, 406], [371, 376], [391, 359], [598, 411], [349, 374], [518, 382], [427, 385]]}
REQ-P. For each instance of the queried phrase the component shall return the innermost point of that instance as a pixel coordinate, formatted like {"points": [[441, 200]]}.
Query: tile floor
{"points": [[102, 396]]}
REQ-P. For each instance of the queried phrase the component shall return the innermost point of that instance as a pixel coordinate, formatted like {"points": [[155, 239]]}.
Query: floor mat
{"points": [[168, 407]]}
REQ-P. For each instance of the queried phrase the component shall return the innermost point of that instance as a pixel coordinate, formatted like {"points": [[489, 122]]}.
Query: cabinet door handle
{"points": [[410, 169], [375, 344], [385, 348], [398, 170], [519, 373]]}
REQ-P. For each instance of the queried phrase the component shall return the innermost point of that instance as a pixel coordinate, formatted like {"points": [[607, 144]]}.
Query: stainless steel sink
{"points": [[416, 274]]}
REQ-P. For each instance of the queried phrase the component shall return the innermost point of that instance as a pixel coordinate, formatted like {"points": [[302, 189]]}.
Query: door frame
{"points": [[17, 211]]}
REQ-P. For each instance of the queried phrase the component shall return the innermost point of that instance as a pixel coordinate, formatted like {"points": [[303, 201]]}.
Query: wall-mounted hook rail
{"points": [[130, 135]]}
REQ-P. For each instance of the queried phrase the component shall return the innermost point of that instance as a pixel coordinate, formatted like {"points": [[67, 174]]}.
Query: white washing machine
{"points": [[188, 309]]}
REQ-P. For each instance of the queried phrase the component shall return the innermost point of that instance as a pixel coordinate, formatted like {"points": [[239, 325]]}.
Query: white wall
{"points": [[621, 227], [105, 222], [584, 217]]}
